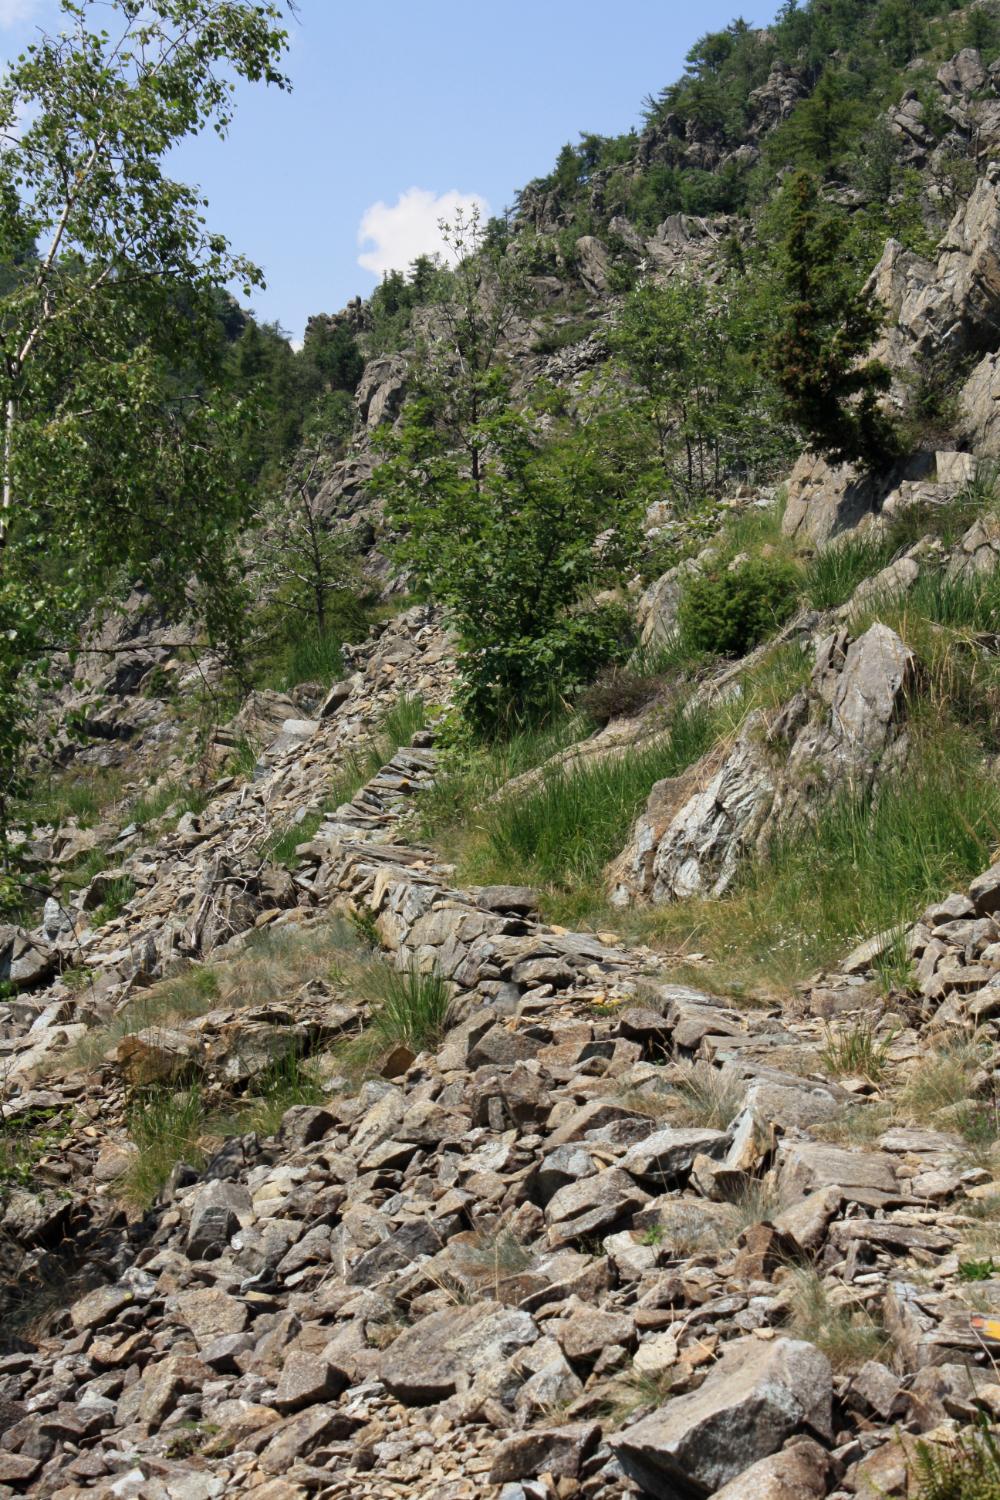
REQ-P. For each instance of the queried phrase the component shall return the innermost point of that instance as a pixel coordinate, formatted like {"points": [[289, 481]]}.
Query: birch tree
{"points": [[117, 426]]}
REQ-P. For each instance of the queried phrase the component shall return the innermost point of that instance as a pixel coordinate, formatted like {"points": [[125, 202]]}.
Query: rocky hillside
{"points": [[606, 1109]]}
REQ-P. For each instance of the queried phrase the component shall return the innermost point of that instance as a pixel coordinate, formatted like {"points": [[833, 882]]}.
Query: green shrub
{"points": [[729, 612], [512, 681]]}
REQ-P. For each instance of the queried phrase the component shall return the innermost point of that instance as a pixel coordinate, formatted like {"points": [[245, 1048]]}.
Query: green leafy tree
{"points": [[511, 533], [816, 134], [118, 427], [514, 553], [686, 348], [823, 329]]}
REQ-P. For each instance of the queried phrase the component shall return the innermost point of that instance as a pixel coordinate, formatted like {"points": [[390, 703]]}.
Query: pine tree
{"points": [[825, 328]]}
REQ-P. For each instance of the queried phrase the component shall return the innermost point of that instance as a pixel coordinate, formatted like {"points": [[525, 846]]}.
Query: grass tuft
{"points": [[167, 1128], [848, 1336], [835, 572], [856, 1051], [408, 1009], [119, 894], [705, 1096]]}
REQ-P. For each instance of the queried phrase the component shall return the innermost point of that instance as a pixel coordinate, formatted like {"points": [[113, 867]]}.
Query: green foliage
{"points": [[977, 1270], [962, 603], [818, 131], [835, 572], [824, 328], [179, 796], [565, 830], [967, 1469], [406, 1009], [23, 1144], [511, 536], [981, 30], [391, 305], [687, 351], [727, 612], [288, 1081], [124, 441]]}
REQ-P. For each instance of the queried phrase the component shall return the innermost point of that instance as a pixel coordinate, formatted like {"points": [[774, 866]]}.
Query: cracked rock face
{"points": [[755, 1397], [841, 734]]}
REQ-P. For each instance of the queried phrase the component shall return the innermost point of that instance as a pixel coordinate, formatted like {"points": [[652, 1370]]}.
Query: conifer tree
{"points": [[824, 329]]}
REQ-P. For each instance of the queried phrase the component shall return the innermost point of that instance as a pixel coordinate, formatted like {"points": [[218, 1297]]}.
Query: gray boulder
{"points": [[427, 1361], [594, 264], [751, 1402]]}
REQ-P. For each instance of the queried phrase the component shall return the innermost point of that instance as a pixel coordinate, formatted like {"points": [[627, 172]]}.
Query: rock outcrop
{"points": [[834, 738]]}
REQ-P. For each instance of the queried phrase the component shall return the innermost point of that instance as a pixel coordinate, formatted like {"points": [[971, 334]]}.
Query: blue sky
{"points": [[399, 104]]}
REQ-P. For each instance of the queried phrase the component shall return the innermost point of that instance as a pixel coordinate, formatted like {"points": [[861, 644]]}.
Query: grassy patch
{"points": [[119, 894], [706, 1096], [22, 1146], [275, 963], [167, 1128], [281, 848], [856, 1051], [564, 831], [943, 1080], [835, 572], [83, 871], [84, 794], [287, 1082], [407, 1009], [172, 796], [949, 522], [471, 776], [866, 866], [190, 993], [243, 757]]}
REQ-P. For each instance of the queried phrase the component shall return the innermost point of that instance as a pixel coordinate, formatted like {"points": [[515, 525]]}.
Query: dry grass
{"points": [[275, 963], [705, 1096], [943, 1080], [856, 1125], [846, 1333], [688, 1094], [856, 1051]]}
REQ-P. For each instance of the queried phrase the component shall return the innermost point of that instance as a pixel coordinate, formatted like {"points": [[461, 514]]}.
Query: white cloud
{"points": [[14, 11], [390, 236]]}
